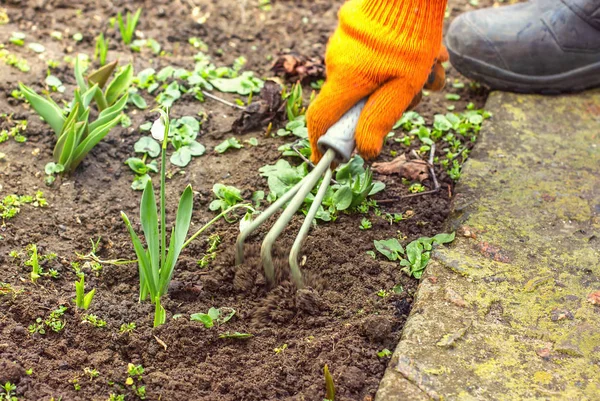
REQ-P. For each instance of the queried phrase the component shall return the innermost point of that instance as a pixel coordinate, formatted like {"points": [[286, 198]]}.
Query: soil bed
{"points": [[340, 321]]}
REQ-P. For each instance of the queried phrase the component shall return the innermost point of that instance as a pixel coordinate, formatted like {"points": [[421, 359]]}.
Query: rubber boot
{"points": [[542, 46]]}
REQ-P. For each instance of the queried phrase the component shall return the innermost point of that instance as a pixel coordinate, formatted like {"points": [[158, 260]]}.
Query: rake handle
{"points": [[340, 137]]}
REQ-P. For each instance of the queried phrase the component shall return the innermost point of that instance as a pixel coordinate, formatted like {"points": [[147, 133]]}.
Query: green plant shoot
{"points": [[101, 50], [75, 135], [157, 262], [36, 271], [127, 27], [83, 300], [329, 386]]}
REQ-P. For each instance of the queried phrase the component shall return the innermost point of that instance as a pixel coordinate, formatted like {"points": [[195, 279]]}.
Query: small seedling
{"points": [[280, 349], [365, 224], [329, 385], [418, 253], [92, 373], [29, 371], [215, 315], [127, 27], [76, 384], [93, 320], [82, 299], [415, 188], [116, 397], [9, 391], [135, 371], [101, 50], [75, 135], [231, 143], [53, 322], [10, 205], [127, 328], [227, 196], [36, 270], [384, 353], [211, 252]]}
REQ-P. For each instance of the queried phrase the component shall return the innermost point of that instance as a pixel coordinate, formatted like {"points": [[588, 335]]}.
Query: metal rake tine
{"points": [[308, 183], [264, 216], [312, 212]]}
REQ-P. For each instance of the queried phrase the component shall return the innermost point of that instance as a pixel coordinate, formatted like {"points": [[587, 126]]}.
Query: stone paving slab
{"points": [[507, 311]]}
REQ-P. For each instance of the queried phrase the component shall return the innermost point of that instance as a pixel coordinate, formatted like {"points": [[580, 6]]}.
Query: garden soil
{"points": [[339, 320]]}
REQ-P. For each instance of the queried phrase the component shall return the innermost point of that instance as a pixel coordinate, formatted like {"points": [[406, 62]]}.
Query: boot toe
{"points": [[465, 40]]}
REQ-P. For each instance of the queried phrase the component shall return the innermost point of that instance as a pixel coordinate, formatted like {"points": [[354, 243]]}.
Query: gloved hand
{"points": [[384, 49]]}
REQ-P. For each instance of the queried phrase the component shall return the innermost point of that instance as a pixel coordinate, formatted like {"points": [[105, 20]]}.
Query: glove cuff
{"points": [[420, 16]]}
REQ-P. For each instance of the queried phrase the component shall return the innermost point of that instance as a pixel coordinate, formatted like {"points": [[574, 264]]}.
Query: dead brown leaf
{"points": [[409, 169], [294, 67], [269, 108], [594, 298]]}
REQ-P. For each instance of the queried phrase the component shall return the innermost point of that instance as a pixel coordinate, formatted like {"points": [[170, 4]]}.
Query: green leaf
{"points": [[101, 75], [244, 84], [342, 198], [46, 108], [441, 123], [182, 226], [413, 252], [443, 238], [87, 300], [353, 168], [109, 113], [119, 85], [88, 96], [79, 75], [227, 144], [378, 186], [165, 73], [137, 165], [214, 313], [225, 318], [36, 47], [53, 168], [145, 268], [196, 148], [53, 82], [204, 318], [92, 140], [181, 157], [160, 315], [217, 204], [149, 220], [147, 145], [140, 182], [67, 126], [390, 248], [139, 101], [236, 335]]}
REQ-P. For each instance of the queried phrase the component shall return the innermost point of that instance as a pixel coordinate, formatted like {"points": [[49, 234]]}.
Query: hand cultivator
{"points": [[336, 145]]}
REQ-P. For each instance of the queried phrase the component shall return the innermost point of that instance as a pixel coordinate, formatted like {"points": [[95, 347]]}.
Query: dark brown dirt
{"points": [[338, 320]]}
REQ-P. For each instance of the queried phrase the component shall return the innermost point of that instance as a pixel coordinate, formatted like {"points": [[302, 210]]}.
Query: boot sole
{"points": [[497, 78]]}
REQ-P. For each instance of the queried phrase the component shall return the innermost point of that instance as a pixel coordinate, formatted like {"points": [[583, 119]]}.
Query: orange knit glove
{"points": [[384, 49]]}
